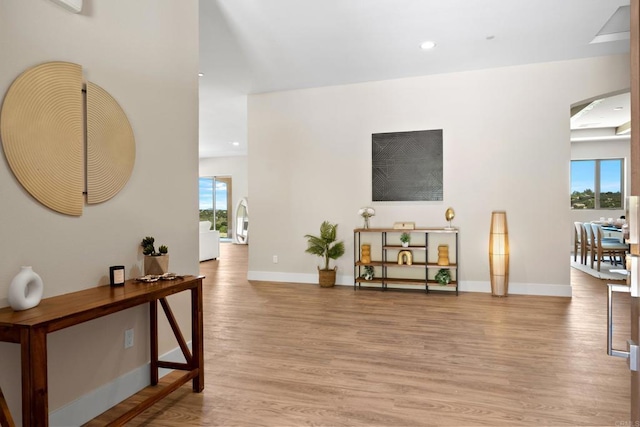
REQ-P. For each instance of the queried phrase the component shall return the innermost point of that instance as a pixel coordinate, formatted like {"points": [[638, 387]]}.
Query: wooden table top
{"points": [[64, 310]]}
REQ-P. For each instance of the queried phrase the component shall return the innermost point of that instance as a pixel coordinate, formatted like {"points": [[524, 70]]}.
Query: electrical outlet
{"points": [[275, 259], [128, 338]]}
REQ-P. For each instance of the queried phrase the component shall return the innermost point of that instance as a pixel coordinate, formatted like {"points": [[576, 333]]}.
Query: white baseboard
{"points": [[103, 398], [275, 276], [541, 289]]}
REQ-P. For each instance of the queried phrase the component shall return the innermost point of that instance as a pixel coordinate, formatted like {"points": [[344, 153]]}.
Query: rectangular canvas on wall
{"points": [[407, 166]]}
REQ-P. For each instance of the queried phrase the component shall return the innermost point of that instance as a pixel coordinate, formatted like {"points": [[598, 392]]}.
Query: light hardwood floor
{"points": [[280, 354]]}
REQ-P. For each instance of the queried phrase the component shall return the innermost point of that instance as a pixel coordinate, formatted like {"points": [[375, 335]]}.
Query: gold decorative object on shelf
{"points": [[443, 254], [405, 257], [365, 256], [449, 214]]}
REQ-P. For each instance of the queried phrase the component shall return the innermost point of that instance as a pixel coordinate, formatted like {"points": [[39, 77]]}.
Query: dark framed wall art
{"points": [[407, 166]]}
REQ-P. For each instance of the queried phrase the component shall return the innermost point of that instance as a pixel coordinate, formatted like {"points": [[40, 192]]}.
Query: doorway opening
{"points": [[215, 204], [600, 173]]}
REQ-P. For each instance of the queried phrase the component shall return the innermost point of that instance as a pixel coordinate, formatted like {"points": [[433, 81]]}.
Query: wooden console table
{"points": [[29, 328]]}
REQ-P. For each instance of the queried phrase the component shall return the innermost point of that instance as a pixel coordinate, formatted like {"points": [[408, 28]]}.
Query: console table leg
{"points": [[6, 420], [39, 388], [197, 337], [25, 366], [153, 324]]}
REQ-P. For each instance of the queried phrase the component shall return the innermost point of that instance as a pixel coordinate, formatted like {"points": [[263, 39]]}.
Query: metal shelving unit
{"points": [[391, 272]]}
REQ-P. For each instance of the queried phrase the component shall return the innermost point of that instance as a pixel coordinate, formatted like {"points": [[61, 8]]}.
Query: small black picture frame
{"points": [[116, 275]]}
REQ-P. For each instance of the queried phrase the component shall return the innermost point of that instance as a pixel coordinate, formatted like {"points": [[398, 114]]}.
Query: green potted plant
{"points": [[155, 263], [405, 238], [443, 277], [326, 246], [369, 272]]}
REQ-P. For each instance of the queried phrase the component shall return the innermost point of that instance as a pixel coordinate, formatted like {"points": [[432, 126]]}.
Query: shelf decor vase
{"points": [[405, 257], [365, 256], [443, 255], [366, 213], [25, 290], [156, 264]]}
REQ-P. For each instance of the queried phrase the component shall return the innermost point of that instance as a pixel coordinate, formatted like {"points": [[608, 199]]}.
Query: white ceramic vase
{"points": [[25, 290]]}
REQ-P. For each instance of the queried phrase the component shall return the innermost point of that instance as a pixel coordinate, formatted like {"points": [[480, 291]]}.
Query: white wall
{"points": [[145, 54], [506, 146], [236, 168]]}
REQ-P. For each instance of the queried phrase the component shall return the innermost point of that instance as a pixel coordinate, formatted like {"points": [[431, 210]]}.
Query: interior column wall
{"points": [[145, 54]]}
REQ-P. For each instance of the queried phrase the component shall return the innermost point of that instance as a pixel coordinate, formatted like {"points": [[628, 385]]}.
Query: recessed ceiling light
{"points": [[235, 143], [490, 37], [618, 108], [200, 74], [427, 45]]}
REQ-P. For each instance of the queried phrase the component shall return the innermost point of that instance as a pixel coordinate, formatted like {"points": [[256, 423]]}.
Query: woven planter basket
{"points": [[327, 278]]}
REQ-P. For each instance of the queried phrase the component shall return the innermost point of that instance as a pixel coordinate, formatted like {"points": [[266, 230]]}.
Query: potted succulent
{"points": [[155, 263], [443, 277], [405, 238], [369, 272], [326, 246]]}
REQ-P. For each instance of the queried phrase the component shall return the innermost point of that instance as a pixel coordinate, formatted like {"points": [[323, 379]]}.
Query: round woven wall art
{"points": [[41, 130], [41, 125], [111, 150]]}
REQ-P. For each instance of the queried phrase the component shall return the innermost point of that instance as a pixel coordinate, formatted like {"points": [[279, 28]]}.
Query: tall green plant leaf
{"points": [[325, 245]]}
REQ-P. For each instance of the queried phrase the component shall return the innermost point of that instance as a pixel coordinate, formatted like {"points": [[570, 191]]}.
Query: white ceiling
{"points": [[253, 46], [606, 112]]}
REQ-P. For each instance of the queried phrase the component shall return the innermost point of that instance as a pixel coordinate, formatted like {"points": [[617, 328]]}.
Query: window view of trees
{"points": [[587, 200], [220, 223], [583, 199], [597, 184], [213, 204]]}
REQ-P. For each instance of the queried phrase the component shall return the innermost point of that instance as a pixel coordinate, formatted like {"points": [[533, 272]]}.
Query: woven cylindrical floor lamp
{"points": [[499, 254]]}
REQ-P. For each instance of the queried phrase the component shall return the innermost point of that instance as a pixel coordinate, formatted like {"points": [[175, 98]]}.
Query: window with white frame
{"points": [[597, 184], [214, 202]]}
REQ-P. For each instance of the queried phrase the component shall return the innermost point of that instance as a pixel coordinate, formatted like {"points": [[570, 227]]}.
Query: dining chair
{"points": [[586, 242], [578, 242], [609, 245]]}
